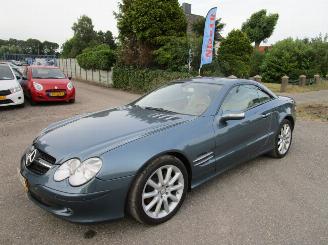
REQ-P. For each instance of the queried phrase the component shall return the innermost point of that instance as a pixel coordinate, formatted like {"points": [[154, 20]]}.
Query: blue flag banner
{"points": [[208, 39]]}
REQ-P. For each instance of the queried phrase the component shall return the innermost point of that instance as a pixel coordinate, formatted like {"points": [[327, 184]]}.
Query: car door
{"points": [[239, 140]]}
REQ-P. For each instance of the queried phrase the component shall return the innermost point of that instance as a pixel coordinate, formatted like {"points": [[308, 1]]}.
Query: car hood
{"points": [[94, 134], [8, 84], [49, 82]]}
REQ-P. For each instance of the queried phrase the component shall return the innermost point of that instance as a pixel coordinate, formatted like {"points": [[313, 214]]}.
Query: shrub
{"points": [[143, 80], [256, 62], [101, 57], [288, 57], [174, 54], [234, 54]]}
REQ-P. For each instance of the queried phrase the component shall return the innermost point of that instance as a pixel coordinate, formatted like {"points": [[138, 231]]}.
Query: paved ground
{"points": [[265, 201]]}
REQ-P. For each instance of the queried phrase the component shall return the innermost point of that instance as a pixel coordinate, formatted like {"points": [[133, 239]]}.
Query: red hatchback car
{"points": [[47, 83]]}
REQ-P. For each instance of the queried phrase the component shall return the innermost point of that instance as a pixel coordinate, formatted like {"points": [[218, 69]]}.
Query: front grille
{"points": [[41, 163], [5, 92], [47, 157], [7, 101]]}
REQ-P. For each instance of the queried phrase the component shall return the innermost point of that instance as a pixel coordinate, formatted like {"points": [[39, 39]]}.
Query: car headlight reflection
{"points": [[15, 89], [37, 86], [66, 169], [78, 173], [70, 86]]}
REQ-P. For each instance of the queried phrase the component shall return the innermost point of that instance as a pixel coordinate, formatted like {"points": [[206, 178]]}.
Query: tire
{"points": [[137, 205], [277, 152], [72, 101]]}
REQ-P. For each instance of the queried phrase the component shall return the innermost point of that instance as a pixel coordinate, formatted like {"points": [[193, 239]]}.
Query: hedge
{"points": [[98, 58], [143, 80]]}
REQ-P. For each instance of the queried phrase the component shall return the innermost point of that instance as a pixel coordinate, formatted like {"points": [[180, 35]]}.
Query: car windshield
{"points": [[47, 73], [184, 98], [6, 73]]}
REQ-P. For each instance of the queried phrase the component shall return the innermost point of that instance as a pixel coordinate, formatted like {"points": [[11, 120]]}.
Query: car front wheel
{"points": [[283, 140], [158, 191]]}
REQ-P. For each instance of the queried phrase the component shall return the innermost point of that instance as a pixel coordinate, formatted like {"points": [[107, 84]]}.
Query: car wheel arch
{"points": [[291, 119], [174, 153]]}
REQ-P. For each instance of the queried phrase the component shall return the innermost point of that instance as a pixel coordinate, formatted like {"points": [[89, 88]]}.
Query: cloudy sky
{"points": [[52, 20]]}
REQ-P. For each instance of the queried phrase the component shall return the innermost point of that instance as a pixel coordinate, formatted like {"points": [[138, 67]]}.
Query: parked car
{"points": [[11, 92], [143, 157], [18, 74], [45, 84]]}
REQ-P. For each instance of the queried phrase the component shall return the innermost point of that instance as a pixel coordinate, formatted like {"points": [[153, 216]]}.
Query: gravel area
{"points": [[265, 201]]}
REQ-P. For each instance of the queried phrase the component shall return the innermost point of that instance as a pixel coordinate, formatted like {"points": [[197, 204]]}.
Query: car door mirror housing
{"points": [[232, 116]]}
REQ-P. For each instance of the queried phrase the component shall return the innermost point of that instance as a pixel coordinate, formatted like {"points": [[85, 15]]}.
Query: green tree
{"points": [[288, 57], [260, 26], [256, 62], [319, 47], [198, 28], [33, 46], [84, 33], [234, 54], [143, 24], [106, 38], [49, 48], [174, 54], [84, 37]]}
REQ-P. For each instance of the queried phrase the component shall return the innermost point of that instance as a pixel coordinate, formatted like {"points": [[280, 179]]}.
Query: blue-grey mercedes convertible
{"points": [[142, 158]]}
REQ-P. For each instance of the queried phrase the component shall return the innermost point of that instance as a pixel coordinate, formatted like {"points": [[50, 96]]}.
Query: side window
{"points": [[243, 97], [263, 97]]}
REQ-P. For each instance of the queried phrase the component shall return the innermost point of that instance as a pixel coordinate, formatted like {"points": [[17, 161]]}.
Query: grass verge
{"points": [[275, 87], [313, 111]]}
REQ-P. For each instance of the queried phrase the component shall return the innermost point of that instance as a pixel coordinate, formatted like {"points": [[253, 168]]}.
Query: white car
{"points": [[11, 92]]}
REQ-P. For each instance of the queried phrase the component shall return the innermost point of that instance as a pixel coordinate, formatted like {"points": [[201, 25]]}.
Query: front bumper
{"points": [[83, 206], [13, 99], [42, 96]]}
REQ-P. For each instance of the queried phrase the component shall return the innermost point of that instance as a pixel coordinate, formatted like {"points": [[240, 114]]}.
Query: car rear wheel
{"points": [[158, 191], [283, 140]]}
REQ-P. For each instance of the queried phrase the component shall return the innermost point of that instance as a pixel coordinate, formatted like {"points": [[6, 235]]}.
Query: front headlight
{"points": [[70, 86], [66, 169], [77, 172], [37, 86], [15, 89]]}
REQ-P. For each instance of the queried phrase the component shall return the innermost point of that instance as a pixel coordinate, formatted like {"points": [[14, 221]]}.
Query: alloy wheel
{"points": [[284, 139], [163, 191]]}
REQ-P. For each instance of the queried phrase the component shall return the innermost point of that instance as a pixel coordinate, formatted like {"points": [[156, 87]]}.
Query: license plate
{"points": [[2, 97], [57, 94]]}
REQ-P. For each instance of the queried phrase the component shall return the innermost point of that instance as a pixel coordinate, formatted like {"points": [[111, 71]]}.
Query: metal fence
{"points": [[71, 68]]}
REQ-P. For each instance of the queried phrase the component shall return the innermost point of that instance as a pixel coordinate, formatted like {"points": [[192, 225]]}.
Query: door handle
{"points": [[266, 115]]}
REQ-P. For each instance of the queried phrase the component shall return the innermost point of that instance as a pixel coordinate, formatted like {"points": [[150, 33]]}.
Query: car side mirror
{"points": [[232, 116]]}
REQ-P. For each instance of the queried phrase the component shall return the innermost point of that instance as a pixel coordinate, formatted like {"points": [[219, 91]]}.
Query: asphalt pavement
{"points": [[265, 201]]}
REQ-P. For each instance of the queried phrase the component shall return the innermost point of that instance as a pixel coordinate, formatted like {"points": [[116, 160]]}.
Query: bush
{"points": [[234, 54], [101, 57], [174, 54], [256, 62], [143, 80], [288, 57]]}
